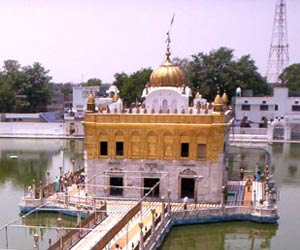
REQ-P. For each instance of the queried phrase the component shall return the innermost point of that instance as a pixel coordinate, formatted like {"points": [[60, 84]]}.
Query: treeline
{"points": [[24, 89], [28, 89], [218, 69]]}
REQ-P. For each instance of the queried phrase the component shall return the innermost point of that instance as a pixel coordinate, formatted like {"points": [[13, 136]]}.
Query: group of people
{"points": [[68, 179], [259, 175]]}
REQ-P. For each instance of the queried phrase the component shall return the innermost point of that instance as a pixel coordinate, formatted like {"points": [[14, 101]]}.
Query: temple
{"points": [[164, 144]]}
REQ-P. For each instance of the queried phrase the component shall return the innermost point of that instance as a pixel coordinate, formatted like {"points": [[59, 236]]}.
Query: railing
{"points": [[161, 224], [118, 227], [73, 236], [249, 131], [259, 210]]}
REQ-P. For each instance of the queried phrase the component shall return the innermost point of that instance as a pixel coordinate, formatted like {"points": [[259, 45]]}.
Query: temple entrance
{"points": [[148, 184], [187, 188], [116, 186]]}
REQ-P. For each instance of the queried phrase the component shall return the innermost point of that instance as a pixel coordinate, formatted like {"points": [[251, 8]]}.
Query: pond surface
{"points": [[285, 167], [37, 156]]}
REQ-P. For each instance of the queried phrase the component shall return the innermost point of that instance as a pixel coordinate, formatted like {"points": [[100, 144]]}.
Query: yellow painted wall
{"points": [[155, 136]]}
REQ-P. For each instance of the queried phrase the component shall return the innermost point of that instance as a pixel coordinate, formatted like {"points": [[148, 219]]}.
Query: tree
{"points": [[290, 77], [92, 82], [131, 86], [219, 70], [36, 87], [7, 96]]}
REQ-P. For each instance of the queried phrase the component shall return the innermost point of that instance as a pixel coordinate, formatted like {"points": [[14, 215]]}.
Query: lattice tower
{"points": [[279, 49]]}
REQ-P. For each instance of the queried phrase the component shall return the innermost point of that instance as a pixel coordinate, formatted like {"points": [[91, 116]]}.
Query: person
{"points": [[258, 174], [56, 185], [242, 172], [185, 200], [248, 184]]}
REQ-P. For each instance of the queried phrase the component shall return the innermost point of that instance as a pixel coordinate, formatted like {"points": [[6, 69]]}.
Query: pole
{"points": [[6, 237], [36, 241]]}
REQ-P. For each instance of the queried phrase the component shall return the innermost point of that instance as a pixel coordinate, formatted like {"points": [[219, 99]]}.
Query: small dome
{"points": [[167, 75], [225, 98], [91, 99], [218, 100], [198, 95]]}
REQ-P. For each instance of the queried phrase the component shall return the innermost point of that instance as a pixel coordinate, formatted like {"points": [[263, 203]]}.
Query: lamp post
{"points": [[238, 92], [36, 241], [59, 222]]}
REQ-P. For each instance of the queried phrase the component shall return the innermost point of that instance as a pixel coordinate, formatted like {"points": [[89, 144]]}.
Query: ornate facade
{"points": [[163, 142]]}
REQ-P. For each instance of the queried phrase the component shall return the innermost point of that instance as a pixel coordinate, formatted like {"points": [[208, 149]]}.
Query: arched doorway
{"points": [[187, 184]]}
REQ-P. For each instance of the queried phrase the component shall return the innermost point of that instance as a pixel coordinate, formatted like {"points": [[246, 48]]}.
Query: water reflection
{"points": [[36, 157], [46, 220], [242, 235], [235, 235]]}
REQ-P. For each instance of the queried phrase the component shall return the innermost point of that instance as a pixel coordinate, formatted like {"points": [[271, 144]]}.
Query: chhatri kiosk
{"points": [[178, 150]]}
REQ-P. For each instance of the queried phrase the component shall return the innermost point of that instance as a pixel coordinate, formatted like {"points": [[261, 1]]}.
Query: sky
{"points": [[81, 39]]}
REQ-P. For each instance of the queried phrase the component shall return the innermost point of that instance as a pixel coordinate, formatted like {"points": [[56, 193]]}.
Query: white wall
{"points": [[280, 98], [34, 129]]}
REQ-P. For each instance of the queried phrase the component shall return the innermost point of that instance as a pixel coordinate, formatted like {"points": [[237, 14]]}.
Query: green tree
{"points": [[92, 82], [219, 69], [7, 96], [36, 87], [290, 77], [131, 86]]}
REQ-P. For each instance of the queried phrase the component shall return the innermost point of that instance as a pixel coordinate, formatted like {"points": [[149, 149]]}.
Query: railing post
{"points": [[79, 218], [41, 190], [169, 201], [162, 207], [222, 196], [153, 221], [59, 232], [33, 188], [36, 241], [66, 198], [141, 236], [48, 177]]}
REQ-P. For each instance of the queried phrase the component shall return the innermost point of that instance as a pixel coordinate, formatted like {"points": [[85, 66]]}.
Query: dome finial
{"points": [[168, 52], [168, 41]]}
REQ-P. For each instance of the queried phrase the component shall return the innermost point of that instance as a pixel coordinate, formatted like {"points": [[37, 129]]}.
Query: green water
{"points": [[285, 168], [36, 157]]}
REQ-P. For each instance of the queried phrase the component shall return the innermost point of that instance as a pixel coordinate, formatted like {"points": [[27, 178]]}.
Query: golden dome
{"points": [[218, 100], [225, 98], [167, 74], [91, 99]]}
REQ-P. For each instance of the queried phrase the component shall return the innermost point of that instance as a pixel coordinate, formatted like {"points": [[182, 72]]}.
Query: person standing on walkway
{"points": [[242, 173], [185, 201]]}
